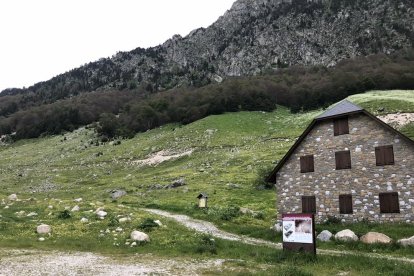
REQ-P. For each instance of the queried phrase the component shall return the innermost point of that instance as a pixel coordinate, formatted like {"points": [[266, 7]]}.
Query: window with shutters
{"points": [[389, 203], [309, 204], [345, 204], [341, 126], [384, 155], [306, 164], [343, 160]]}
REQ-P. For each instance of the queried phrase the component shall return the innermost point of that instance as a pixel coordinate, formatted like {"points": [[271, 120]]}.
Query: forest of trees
{"points": [[124, 113]]}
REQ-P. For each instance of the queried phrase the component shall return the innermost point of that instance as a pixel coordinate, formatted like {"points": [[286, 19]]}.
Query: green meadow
{"points": [[226, 156]]}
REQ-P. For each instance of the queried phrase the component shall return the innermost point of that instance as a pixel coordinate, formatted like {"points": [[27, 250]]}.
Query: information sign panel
{"points": [[299, 232]]}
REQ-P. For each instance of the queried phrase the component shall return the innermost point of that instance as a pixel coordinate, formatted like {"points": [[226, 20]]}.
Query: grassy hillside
{"points": [[228, 153]]}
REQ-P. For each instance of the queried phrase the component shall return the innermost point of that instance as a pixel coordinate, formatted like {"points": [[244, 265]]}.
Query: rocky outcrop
{"points": [[254, 36]]}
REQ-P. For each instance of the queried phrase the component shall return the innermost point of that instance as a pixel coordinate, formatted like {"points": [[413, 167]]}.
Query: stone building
{"points": [[350, 165]]}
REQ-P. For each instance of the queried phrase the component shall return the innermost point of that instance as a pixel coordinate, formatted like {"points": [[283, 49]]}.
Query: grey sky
{"points": [[43, 38]]}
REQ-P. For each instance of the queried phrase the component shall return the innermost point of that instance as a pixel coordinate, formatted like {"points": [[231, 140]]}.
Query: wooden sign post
{"points": [[299, 232]]}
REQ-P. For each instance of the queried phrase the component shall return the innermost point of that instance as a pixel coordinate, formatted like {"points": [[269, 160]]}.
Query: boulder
{"points": [[324, 236], [277, 227], [139, 236], [43, 229], [177, 183], [346, 235], [101, 213], [12, 197], [115, 194], [407, 242], [375, 237], [124, 220]]}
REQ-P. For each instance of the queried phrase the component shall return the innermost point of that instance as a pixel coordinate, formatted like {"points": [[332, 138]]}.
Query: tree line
{"points": [[124, 113]]}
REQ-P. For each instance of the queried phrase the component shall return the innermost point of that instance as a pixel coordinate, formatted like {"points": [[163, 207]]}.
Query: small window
{"points": [[389, 203], [384, 155], [341, 126], [345, 204], [343, 160], [309, 204], [306, 164]]}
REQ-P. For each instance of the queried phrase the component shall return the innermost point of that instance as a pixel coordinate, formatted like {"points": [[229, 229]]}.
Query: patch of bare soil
{"points": [[160, 157], [35, 262], [397, 119]]}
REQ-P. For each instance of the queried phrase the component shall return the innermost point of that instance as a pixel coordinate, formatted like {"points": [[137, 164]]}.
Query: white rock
{"points": [[101, 214], [119, 229], [50, 207], [158, 222], [278, 227], [41, 239], [84, 220], [43, 229], [346, 235], [407, 242], [75, 209], [12, 197], [32, 214], [124, 220], [133, 244], [78, 199], [139, 236], [324, 236]]}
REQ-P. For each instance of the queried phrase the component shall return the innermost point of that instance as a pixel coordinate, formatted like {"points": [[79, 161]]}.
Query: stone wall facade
{"points": [[365, 180]]}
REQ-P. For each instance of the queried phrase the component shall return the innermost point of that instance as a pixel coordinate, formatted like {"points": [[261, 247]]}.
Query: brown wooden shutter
{"points": [[379, 156], [345, 204], [389, 203], [384, 155], [388, 155], [307, 164], [343, 160], [309, 204], [341, 126]]}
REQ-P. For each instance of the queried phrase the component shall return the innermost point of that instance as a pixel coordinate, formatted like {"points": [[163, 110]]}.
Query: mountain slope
{"points": [[250, 38]]}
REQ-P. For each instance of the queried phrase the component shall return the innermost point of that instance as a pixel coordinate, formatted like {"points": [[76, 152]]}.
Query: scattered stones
{"points": [[177, 183], [139, 236], [43, 229], [407, 242], [375, 237], [324, 236], [117, 193], [75, 209], [84, 220], [78, 200], [346, 235], [12, 197]]}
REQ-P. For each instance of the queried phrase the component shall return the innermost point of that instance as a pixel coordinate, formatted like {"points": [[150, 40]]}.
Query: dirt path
{"points": [[35, 262], [211, 229]]}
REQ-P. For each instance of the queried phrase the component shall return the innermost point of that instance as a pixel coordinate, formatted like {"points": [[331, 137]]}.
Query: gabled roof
{"points": [[343, 108]]}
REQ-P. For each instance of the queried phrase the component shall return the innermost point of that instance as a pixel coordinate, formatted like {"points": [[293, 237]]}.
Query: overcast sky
{"points": [[40, 39]]}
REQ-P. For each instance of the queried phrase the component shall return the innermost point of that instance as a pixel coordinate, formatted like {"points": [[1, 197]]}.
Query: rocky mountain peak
{"points": [[253, 37]]}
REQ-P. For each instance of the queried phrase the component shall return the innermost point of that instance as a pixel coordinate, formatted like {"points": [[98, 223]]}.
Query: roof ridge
{"points": [[343, 107]]}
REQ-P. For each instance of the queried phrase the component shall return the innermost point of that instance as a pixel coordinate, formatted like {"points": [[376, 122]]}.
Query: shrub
{"points": [[206, 244], [64, 215], [148, 225]]}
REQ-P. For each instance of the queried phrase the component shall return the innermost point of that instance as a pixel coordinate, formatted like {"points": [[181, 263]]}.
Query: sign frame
{"points": [[296, 235]]}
